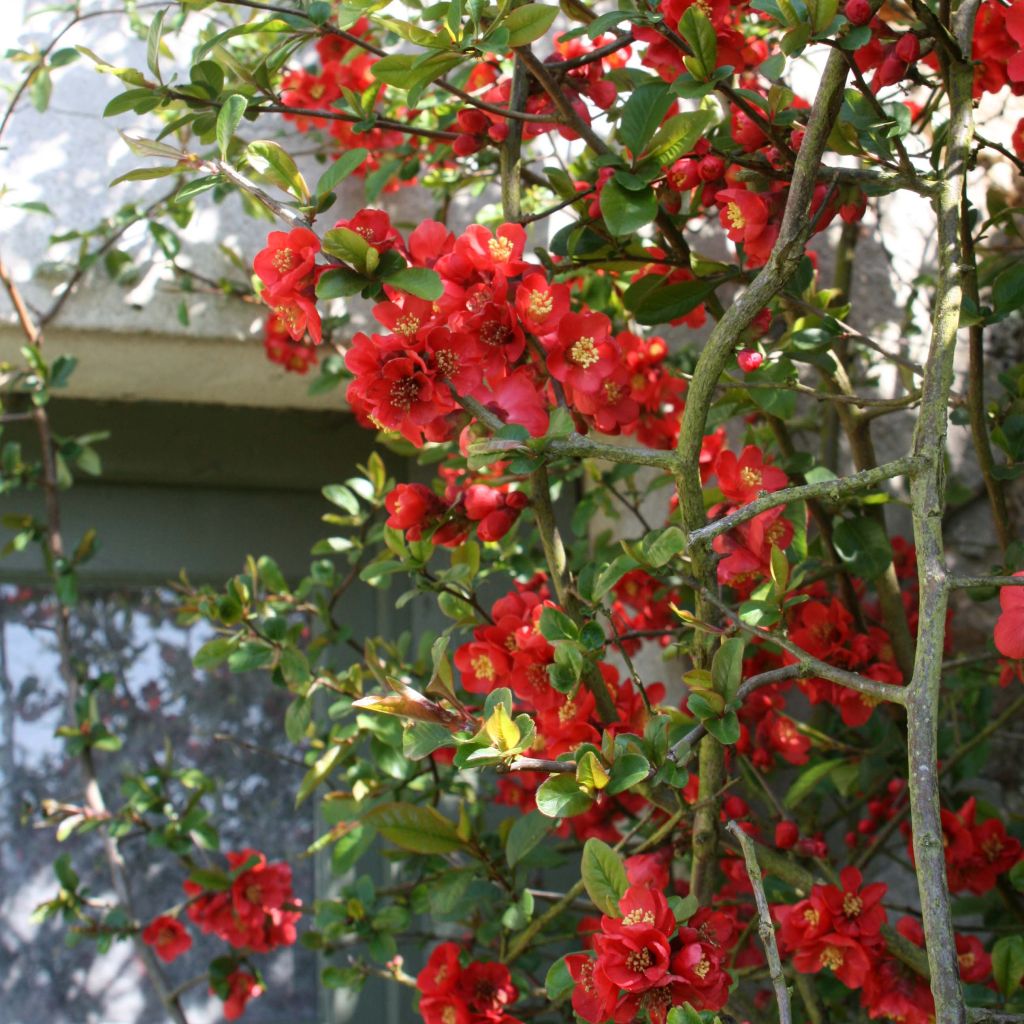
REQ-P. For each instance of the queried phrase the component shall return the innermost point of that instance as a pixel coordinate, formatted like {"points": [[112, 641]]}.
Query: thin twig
{"points": [[765, 928]]}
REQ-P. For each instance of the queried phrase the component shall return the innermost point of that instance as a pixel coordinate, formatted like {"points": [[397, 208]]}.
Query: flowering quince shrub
{"points": [[795, 814]]}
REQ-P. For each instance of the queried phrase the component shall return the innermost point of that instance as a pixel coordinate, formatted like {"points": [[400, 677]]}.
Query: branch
{"points": [[764, 928], [813, 666], [969, 582], [928, 499], [834, 490], [682, 750], [54, 548]]}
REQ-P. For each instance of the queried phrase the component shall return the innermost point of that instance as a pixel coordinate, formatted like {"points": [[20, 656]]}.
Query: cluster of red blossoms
{"points": [[257, 912], [838, 928], [478, 993], [500, 334], [343, 65], [480, 127], [646, 962], [976, 854], [491, 508]]}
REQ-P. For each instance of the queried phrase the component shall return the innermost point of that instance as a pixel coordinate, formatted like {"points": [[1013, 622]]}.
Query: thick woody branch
{"points": [[832, 490], [785, 257], [928, 492]]}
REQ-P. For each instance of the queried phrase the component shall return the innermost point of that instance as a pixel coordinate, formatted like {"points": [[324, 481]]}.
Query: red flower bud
{"points": [[749, 360], [786, 835], [858, 12], [711, 168], [908, 48]]}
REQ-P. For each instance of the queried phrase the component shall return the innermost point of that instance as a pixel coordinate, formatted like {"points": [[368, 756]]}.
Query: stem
{"points": [[927, 492], [764, 928], [561, 578]]}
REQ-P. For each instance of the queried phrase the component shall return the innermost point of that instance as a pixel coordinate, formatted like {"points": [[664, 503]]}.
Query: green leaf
{"points": [[679, 134], [668, 302], [642, 114], [297, 719], [558, 982], [405, 71], [661, 546], [556, 625], [561, 797], [339, 283], [1008, 963], [604, 876], [349, 161], [318, 773], [350, 246], [727, 667], [41, 89], [65, 873], [156, 30], [863, 546], [696, 28], [418, 281], [627, 771], [611, 574], [625, 211], [529, 22], [270, 159], [228, 120], [414, 828], [725, 729], [214, 652], [524, 835], [808, 780], [250, 656], [684, 1014], [1008, 289], [422, 738]]}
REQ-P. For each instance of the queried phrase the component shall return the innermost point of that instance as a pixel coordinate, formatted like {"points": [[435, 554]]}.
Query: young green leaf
{"points": [[604, 876]]}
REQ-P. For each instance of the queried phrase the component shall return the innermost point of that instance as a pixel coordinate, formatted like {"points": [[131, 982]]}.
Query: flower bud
{"points": [[749, 360], [908, 48], [858, 12], [786, 835]]}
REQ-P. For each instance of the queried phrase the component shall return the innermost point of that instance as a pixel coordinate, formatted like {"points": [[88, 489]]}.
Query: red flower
{"points": [[856, 912], [168, 937], [413, 508], [744, 214], [540, 304], [786, 835], [375, 227], [442, 970], [288, 261], [844, 956], [582, 354], [241, 987], [1009, 632], [294, 356], [743, 479]]}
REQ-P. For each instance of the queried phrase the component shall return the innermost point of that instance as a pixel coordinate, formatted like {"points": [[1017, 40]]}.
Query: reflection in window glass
{"points": [[228, 726]]}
